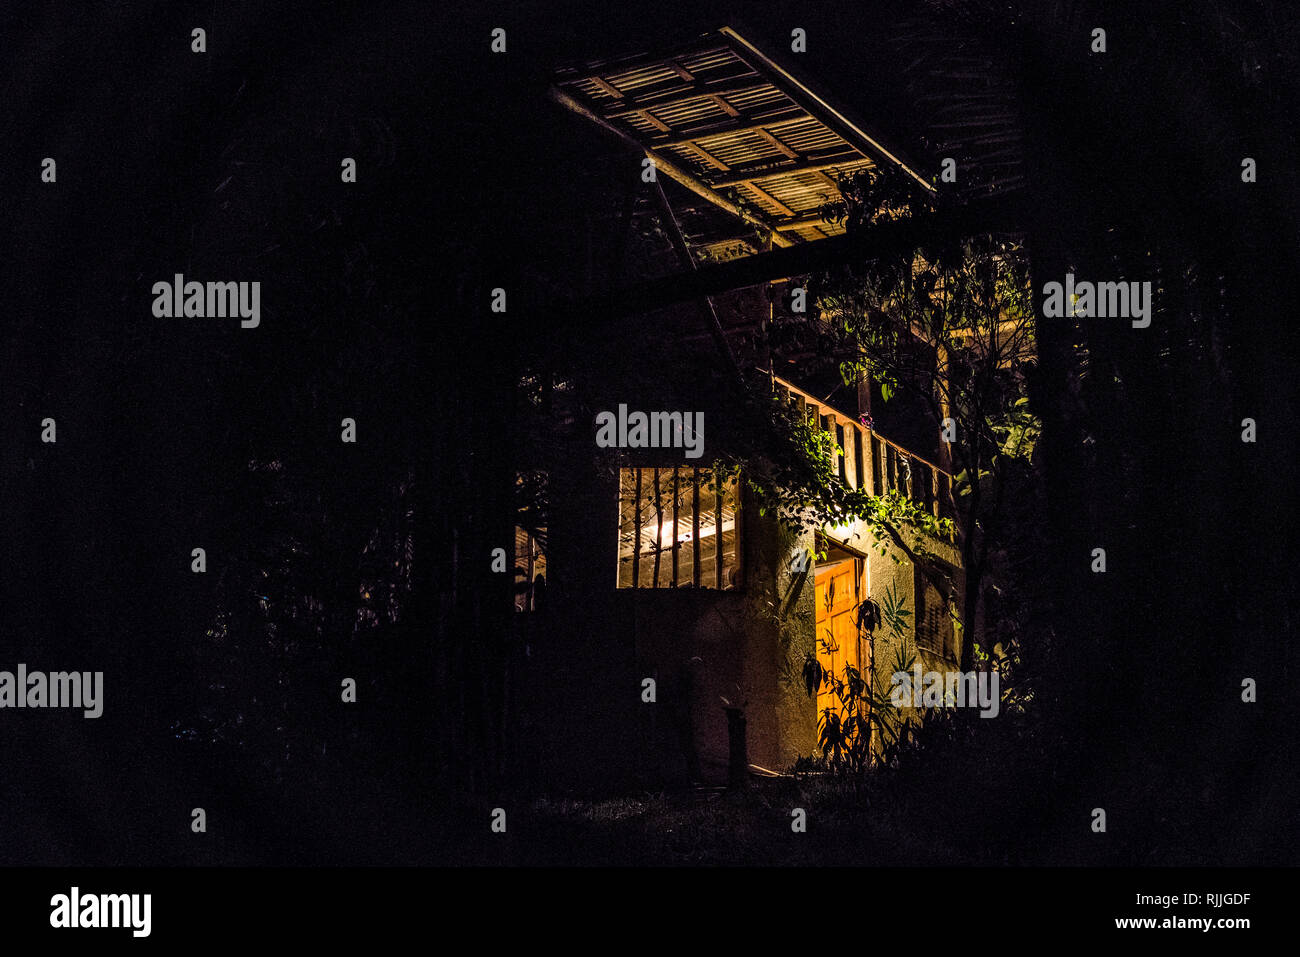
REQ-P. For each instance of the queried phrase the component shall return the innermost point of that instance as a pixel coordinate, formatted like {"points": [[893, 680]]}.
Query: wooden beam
{"points": [[706, 156], [723, 105], [776, 144], [850, 445], [786, 210], [1002, 215], [861, 462], [674, 230], [611, 90], [799, 220], [652, 120], [680, 70], [841, 443], [752, 175], [765, 64], [877, 467], [671, 169]]}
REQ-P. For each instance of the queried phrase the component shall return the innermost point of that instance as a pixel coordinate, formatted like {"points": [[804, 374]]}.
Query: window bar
{"points": [[676, 534], [695, 526], [717, 528], [528, 573], [659, 528], [624, 481], [737, 518], [636, 520]]}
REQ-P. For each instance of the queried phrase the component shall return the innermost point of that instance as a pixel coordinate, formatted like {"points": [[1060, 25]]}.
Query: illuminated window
{"points": [[530, 570], [677, 528], [532, 498]]}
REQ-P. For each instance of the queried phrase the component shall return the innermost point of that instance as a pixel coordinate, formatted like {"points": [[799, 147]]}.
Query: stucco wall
{"points": [[585, 714], [747, 646], [884, 570]]}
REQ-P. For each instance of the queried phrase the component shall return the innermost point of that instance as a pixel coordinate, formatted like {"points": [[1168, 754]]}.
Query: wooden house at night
{"points": [[644, 570]]}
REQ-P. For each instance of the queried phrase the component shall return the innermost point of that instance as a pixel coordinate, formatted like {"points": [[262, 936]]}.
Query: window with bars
{"points": [[530, 571], [678, 527], [935, 631]]}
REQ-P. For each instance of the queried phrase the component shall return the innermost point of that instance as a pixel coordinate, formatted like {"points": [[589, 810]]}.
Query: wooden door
{"points": [[837, 630]]}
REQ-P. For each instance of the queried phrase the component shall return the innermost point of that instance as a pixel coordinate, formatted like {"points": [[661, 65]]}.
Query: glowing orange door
{"points": [[837, 630]]}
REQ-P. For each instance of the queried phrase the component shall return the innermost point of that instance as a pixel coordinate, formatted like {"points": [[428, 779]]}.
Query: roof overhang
{"points": [[737, 128]]}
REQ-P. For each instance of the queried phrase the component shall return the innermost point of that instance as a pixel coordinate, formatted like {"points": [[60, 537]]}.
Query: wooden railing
{"points": [[872, 461]]}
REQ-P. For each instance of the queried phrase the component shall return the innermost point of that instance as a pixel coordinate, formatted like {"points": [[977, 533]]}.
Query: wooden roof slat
{"points": [[763, 194], [721, 114], [611, 90], [701, 47], [708, 157], [671, 168], [647, 117], [767, 135], [741, 124], [748, 174], [724, 105], [641, 77], [696, 90], [829, 115]]}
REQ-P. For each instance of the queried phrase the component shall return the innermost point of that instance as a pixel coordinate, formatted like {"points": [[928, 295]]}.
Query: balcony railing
{"points": [[871, 461]]}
